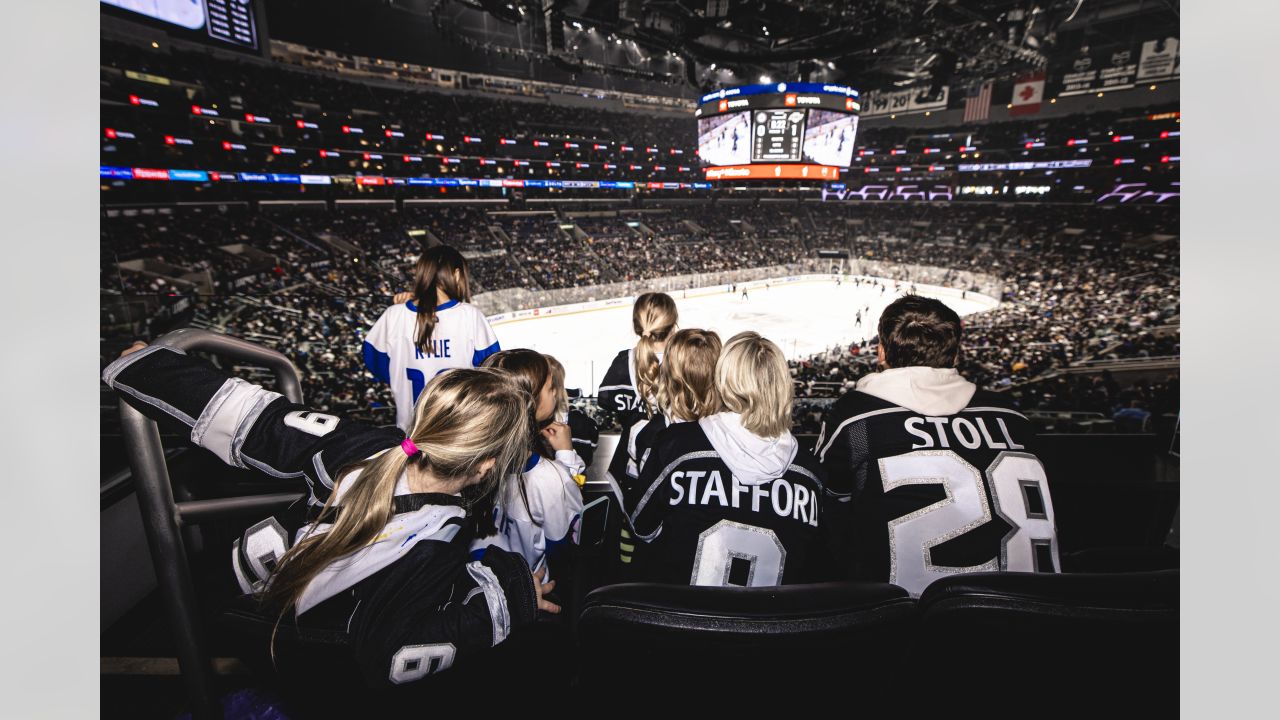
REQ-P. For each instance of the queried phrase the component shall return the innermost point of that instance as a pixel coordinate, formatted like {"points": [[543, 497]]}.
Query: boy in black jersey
{"points": [[936, 476]]}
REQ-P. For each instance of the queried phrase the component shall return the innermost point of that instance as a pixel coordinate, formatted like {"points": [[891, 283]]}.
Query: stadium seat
{"points": [[1091, 642], [797, 637]]}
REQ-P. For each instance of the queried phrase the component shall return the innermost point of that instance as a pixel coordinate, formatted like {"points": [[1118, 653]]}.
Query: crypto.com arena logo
{"points": [[887, 192], [1137, 192]]}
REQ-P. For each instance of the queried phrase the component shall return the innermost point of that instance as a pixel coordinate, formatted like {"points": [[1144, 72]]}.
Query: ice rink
{"points": [[803, 318]]}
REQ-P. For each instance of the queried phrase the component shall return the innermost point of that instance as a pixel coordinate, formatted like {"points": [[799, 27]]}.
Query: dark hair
{"points": [[920, 331], [439, 267]]}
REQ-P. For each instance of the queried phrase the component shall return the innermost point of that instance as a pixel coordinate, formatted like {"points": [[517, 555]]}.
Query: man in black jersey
{"points": [[938, 476]]}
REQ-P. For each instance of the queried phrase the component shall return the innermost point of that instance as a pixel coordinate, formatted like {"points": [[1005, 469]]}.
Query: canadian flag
{"points": [[1028, 93]]}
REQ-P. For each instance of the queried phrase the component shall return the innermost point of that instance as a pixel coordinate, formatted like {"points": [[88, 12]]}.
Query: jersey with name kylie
{"points": [[699, 522], [932, 496], [411, 602], [462, 338]]}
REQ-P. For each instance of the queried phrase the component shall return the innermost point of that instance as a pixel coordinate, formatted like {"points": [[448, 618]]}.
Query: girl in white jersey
{"points": [[538, 508], [436, 330]]}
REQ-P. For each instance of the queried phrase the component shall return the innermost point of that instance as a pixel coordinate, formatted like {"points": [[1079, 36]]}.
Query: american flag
{"points": [[977, 104]]}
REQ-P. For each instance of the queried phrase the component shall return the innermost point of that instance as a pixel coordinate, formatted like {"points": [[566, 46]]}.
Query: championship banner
{"points": [[1160, 59], [1113, 67], [904, 102]]}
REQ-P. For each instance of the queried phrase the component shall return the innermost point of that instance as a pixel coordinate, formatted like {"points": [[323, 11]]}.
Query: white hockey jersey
{"points": [[462, 338], [551, 517]]}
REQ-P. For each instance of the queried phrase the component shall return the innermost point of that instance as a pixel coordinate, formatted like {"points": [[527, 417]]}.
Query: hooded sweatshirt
{"points": [[752, 459], [926, 390], [718, 505]]}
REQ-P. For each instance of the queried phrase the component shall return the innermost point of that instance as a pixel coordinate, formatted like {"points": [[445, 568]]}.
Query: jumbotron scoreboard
{"points": [[778, 131]]}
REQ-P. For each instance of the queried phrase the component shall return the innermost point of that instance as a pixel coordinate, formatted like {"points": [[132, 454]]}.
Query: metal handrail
{"points": [[162, 518]]}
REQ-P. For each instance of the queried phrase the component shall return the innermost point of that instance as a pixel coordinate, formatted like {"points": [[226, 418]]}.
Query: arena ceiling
{"points": [[697, 45]]}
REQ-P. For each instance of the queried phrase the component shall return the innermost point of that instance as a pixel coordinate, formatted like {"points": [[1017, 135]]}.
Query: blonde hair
{"points": [[653, 318], [687, 381], [753, 380], [464, 417], [557, 382]]}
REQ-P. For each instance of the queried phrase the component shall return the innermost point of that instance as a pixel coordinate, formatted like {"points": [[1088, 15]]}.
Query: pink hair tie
{"points": [[409, 448]]}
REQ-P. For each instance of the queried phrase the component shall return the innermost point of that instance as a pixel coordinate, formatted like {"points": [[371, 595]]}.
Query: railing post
{"points": [[168, 555]]}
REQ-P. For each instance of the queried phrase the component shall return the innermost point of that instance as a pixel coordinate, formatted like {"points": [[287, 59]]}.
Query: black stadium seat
{"points": [[1084, 641], [796, 636]]}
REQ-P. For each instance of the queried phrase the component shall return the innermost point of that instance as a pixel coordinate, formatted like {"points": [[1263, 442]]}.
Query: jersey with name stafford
{"points": [[933, 493], [462, 338], [716, 505]]}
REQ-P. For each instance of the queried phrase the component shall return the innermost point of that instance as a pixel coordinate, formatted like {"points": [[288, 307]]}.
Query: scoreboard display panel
{"points": [[223, 23], [777, 131]]}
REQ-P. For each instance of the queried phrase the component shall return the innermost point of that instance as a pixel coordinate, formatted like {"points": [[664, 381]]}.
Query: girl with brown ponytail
{"points": [[630, 386], [428, 331], [384, 556], [541, 502]]}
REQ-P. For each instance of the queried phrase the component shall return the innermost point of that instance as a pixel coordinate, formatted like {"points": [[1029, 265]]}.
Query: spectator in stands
{"points": [[388, 576], [540, 504], [731, 499], [439, 329], [583, 431], [630, 385], [918, 431]]}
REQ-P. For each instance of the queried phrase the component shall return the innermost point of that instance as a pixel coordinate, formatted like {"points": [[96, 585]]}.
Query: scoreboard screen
{"points": [[777, 131], [217, 22]]}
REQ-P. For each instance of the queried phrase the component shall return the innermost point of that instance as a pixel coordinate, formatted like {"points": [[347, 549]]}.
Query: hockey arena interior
{"points": [[896, 280]]}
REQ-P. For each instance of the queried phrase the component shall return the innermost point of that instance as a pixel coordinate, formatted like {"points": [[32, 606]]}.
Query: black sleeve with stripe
{"points": [[245, 425], [585, 434], [617, 394], [646, 499]]}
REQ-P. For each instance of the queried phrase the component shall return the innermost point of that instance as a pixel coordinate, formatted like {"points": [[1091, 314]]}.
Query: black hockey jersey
{"points": [[700, 518], [618, 392], [928, 496], [585, 434], [411, 601]]}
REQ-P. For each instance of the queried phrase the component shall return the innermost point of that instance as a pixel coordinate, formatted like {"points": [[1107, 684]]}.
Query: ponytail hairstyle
{"points": [[653, 318], [557, 383], [530, 370], [754, 381], [464, 417], [441, 267], [687, 380]]}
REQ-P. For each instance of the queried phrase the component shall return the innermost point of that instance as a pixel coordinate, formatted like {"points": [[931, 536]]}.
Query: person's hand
{"points": [[402, 297], [557, 434], [543, 589], [133, 348]]}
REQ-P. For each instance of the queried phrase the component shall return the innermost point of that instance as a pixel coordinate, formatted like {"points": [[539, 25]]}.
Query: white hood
{"points": [[752, 459], [926, 390]]}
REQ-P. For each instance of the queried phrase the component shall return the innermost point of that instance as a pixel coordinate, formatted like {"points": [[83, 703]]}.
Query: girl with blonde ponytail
{"points": [[384, 555], [630, 386], [428, 331]]}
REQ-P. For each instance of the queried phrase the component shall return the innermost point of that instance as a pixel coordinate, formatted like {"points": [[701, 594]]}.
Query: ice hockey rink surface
{"points": [[803, 318]]}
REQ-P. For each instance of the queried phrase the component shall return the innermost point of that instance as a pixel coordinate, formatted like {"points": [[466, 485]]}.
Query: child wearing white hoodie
{"points": [[731, 499]]}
